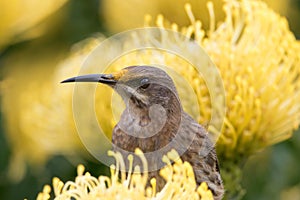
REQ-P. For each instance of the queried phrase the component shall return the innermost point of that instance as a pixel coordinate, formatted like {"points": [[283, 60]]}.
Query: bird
{"points": [[154, 121]]}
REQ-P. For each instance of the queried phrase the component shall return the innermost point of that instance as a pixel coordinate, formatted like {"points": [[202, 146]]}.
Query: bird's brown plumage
{"points": [[155, 122], [137, 129]]}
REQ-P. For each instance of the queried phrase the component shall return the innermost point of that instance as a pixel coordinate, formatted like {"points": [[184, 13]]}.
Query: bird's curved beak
{"points": [[108, 79]]}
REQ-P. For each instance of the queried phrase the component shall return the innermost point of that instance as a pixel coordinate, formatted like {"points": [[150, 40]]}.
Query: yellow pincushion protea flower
{"points": [[38, 115], [180, 182], [259, 61], [114, 11]]}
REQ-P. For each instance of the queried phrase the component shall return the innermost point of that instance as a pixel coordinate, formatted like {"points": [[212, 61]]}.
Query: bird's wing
{"points": [[201, 154]]}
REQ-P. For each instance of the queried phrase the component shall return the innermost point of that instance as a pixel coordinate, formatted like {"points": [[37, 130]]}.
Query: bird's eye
{"points": [[145, 83]]}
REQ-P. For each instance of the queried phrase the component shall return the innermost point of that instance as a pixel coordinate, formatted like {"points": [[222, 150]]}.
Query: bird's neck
{"points": [[168, 113], [153, 127]]}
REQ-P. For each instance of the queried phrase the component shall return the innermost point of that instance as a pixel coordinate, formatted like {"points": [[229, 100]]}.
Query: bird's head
{"points": [[141, 86]]}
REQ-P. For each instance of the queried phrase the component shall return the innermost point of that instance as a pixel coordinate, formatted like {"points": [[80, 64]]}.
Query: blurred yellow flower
{"points": [[20, 19], [122, 15], [291, 193], [180, 182], [38, 111]]}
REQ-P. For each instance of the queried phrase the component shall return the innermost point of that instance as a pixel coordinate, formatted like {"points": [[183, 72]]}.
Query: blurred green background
{"points": [[271, 174]]}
